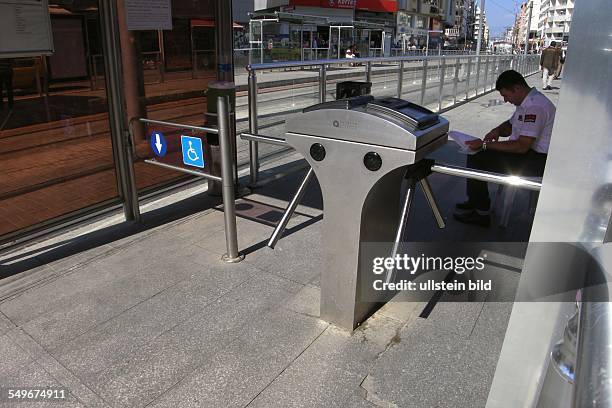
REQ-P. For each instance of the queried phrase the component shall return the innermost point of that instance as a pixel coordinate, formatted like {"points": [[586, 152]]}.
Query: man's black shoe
{"points": [[473, 217], [466, 205]]}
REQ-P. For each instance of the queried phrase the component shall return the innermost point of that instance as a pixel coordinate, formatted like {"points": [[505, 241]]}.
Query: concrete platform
{"points": [[148, 315]]}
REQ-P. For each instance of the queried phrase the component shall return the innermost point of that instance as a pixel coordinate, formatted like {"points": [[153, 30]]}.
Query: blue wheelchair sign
{"points": [[193, 154], [158, 144]]}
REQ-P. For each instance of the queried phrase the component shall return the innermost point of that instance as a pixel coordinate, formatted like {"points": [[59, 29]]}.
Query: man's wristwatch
{"points": [[484, 145]]}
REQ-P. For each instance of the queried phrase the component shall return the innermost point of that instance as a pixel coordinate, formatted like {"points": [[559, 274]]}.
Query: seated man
{"points": [[524, 153]]}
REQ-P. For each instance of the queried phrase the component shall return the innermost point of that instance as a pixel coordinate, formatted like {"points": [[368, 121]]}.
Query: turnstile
{"points": [[361, 150]]}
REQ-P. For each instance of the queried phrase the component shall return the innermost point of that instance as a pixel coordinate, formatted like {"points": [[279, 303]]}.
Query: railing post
{"points": [[368, 71], [400, 79], [253, 127], [322, 83], [227, 175], [442, 64], [467, 79], [486, 78], [456, 80], [424, 81], [477, 74]]}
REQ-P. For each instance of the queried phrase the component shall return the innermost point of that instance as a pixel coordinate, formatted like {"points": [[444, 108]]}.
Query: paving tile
{"points": [[14, 358], [34, 376], [235, 376], [127, 271], [125, 334], [5, 324], [429, 369], [249, 233], [355, 352], [307, 301], [160, 364], [308, 383], [298, 257], [111, 290]]}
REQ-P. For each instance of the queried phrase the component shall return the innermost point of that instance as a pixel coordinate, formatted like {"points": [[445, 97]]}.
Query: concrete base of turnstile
{"points": [[360, 206]]}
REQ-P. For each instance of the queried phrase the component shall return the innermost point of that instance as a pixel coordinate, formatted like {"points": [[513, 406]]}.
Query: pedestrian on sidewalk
{"points": [[561, 61], [524, 153], [6, 81], [549, 61]]}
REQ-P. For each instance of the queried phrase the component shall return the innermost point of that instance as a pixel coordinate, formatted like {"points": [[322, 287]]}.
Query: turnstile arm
{"points": [[264, 139], [280, 228], [431, 199]]}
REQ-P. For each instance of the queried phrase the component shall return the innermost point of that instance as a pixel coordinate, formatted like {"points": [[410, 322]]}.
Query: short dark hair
{"points": [[510, 78], [553, 43]]}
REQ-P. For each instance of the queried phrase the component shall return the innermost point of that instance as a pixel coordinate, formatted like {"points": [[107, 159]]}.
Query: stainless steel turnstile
{"points": [[361, 151]]}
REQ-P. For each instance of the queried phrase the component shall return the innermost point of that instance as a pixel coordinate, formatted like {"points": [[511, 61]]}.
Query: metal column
{"points": [[456, 80], [322, 83], [121, 141], [400, 79], [442, 75], [467, 79], [253, 127], [227, 174], [424, 81]]}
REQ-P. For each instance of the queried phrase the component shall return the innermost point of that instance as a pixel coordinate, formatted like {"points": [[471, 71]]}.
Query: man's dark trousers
{"points": [[530, 164], [6, 82]]}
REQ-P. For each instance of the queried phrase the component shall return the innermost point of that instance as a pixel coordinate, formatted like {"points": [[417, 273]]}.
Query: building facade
{"points": [[555, 19], [481, 24], [526, 25]]}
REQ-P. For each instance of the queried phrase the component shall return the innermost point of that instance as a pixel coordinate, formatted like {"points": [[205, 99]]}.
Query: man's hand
{"points": [[492, 136], [474, 144]]}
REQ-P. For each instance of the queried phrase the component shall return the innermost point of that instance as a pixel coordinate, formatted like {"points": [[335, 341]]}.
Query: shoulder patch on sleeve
{"points": [[530, 118]]}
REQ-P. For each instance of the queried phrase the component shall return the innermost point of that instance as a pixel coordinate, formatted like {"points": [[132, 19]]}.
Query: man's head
{"points": [[553, 44], [512, 87]]}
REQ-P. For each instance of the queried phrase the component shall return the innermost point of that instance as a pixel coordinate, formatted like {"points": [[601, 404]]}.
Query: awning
{"points": [[198, 22]]}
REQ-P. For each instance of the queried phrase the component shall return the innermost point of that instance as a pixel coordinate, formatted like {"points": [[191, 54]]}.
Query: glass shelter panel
{"points": [[56, 153]]}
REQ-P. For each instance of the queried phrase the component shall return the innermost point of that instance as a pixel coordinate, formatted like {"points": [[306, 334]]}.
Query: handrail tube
{"points": [[183, 170], [481, 175], [180, 125], [227, 182], [264, 139], [364, 60]]}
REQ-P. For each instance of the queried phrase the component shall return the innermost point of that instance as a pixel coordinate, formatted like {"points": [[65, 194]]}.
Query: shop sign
{"points": [[148, 14], [384, 6], [25, 28], [338, 4]]}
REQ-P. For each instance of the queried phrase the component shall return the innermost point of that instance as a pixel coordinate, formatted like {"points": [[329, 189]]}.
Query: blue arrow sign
{"points": [[193, 154], [158, 144]]}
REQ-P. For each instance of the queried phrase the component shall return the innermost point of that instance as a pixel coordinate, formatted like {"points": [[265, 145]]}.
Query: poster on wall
{"points": [[148, 14], [25, 28]]}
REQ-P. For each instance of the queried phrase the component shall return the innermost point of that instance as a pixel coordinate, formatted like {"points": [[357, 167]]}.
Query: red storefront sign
{"points": [[339, 4], [389, 6]]}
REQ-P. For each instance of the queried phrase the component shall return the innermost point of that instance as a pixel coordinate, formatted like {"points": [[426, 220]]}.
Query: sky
{"points": [[500, 14]]}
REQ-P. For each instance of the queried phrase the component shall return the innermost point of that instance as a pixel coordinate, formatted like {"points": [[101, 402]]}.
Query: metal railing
{"points": [[438, 82], [227, 172]]}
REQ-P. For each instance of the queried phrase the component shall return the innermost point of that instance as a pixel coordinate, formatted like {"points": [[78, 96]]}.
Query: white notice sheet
{"points": [[460, 138]]}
